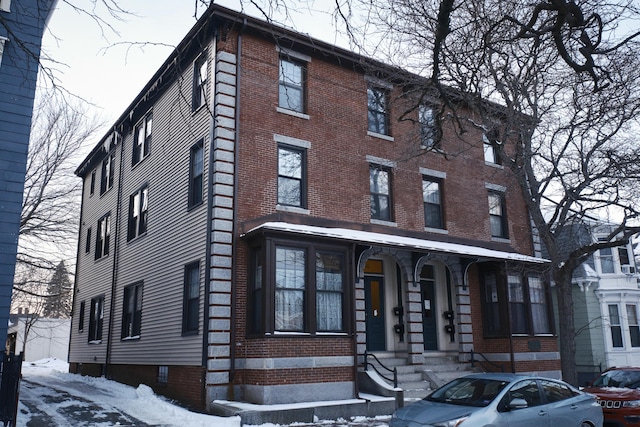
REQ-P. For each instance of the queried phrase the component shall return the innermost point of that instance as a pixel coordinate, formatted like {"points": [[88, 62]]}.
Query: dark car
{"points": [[502, 400], [618, 392]]}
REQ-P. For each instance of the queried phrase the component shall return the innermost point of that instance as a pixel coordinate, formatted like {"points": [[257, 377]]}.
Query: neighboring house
{"points": [[249, 230], [606, 307], [39, 338], [22, 25]]}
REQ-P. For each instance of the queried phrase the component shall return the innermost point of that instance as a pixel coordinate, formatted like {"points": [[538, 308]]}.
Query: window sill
{"points": [[493, 165], [436, 230], [133, 338], [293, 209], [94, 342], [195, 206], [500, 239], [380, 136], [136, 238], [383, 222], [293, 113]]}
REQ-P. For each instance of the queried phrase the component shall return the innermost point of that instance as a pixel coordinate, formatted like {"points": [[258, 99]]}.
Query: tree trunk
{"points": [[567, 336]]}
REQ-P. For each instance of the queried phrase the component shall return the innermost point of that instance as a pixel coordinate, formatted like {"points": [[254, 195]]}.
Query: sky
{"points": [[109, 67], [48, 388]]}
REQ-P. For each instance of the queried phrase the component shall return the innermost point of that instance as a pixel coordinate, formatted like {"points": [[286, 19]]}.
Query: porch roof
{"points": [[368, 237]]}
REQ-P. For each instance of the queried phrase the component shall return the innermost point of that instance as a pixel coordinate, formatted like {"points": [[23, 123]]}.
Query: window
{"points": [[291, 172], [380, 188], [527, 390], [303, 290], [614, 324], [103, 233], [498, 215], [138, 206], [291, 88], [516, 302], [196, 173], [556, 392], [290, 289], [163, 374], [81, 317], [132, 311], [329, 291], [607, 265], [95, 319], [490, 145], [191, 308], [517, 305], [626, 263], [92, 187], [5, 6], [87, 243], [377, 104], [539, 310], [634, 328], [432, 194], [106, 178], [200, 75], [428, 127], [142, 139]]}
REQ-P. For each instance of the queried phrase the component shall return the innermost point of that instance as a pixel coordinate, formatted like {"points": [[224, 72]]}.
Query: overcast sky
{"points": [[92, 65]]}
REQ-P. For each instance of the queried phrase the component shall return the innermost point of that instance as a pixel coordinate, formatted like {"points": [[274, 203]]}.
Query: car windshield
{"points": [[618, 378], [468, 392]]}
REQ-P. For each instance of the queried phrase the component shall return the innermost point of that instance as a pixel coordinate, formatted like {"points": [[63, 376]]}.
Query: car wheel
{"points": [[586, 424]]}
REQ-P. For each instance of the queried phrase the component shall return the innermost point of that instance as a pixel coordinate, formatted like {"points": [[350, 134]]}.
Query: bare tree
{"points": [[554, 84], [50, 209]]}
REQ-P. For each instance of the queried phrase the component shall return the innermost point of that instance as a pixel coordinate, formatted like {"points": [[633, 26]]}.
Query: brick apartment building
{"points": [[258, 219]]}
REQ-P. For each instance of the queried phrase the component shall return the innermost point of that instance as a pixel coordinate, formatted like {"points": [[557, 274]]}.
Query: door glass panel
{"points": [[375, 298]]}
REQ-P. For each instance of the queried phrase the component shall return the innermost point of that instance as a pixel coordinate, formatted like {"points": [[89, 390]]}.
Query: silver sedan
{"points": [[502, 400]]}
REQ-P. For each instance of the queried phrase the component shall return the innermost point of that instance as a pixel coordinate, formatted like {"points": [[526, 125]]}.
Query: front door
{"points": [[374, 306], [429, 308]]}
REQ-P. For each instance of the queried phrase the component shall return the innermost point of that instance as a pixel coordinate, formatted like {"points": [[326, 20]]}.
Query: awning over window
{"points": [[370, 238]]}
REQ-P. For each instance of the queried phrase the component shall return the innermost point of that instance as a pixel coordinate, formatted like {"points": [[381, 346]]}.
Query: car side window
{"points": [[527, 390], [555, 392]]}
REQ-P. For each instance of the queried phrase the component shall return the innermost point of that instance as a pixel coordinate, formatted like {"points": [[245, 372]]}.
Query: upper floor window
{"points": [[196, 173], [432, 197], [380, 189], [291, 87], [132, 311], [291, 176], [200, 76], [138, 206], [498, 215], [378, 110], [142, 139], [87, 243], [103, 234], [428, 127], [615, 326], [95, 319], [81, 317], [191, 304], [107, 175], [5, 6], [92, 186], [490, 145], [615, 260]]}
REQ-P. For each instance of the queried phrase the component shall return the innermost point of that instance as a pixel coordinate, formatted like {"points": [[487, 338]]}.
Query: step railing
{"points": [[474, 361], [394, 371]]}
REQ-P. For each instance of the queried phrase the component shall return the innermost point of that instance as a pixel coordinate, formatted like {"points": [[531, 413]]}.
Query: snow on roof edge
{"points": [[398, 241]]}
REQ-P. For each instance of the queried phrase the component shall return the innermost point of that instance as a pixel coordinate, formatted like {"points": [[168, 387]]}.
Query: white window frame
{"points": [[5, 6]]}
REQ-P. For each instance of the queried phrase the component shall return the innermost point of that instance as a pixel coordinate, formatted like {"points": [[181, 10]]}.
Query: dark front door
{"points": [[429, 310], [374, 305]]}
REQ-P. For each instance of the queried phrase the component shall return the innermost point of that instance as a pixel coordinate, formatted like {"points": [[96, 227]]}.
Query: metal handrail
{"points": [[473, 361], [394, 380]]}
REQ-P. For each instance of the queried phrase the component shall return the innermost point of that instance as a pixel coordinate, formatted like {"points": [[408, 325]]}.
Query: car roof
{"points": [[507, 376], [623, 368]]}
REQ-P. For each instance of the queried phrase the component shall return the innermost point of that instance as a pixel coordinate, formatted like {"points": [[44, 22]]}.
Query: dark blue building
{"points": [[22, 25]]}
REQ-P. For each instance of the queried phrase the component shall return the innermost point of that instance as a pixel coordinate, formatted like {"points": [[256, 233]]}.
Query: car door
{"points": [[566, 407], [534, 415]]}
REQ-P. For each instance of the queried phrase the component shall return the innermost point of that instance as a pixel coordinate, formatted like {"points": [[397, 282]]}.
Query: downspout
{"points": [[116, 240], [75, 277], [234, 241]]}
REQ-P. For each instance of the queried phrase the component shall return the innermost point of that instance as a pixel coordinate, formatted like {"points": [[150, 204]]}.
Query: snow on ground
{"points": [[51, 396], [140, 403]]}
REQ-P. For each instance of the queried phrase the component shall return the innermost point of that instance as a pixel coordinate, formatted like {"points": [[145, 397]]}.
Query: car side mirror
{"points": [[518, 404]]}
